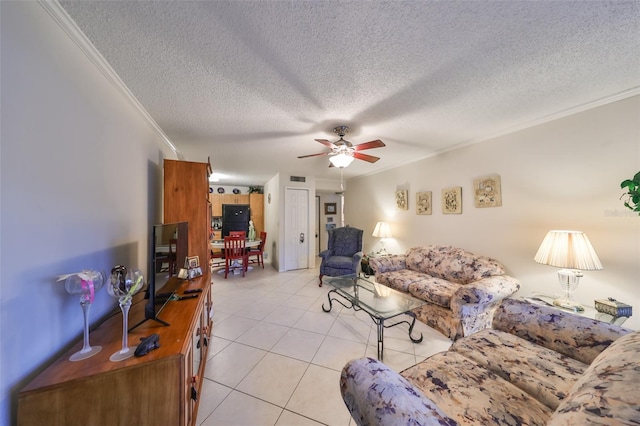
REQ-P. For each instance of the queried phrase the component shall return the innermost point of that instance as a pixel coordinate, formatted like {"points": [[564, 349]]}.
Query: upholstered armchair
{"points": [[343, 254]]}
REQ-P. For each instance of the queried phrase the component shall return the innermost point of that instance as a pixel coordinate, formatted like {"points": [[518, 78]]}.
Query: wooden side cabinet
{"points": [[160, 388], [186, 199], [256, 203]]}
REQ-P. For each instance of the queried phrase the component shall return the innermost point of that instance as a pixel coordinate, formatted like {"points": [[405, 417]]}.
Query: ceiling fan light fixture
{"points": [[341, 160]]}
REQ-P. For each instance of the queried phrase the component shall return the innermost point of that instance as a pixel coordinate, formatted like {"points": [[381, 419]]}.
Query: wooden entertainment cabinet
{"points": [[155, 389], [162, 387]]}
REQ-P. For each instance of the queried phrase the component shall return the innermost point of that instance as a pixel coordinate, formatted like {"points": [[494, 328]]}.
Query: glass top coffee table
{"points": [[379, 301]]}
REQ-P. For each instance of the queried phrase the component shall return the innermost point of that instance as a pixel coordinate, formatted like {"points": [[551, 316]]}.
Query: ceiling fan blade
{"points": [[326, 143], [365, 157], [314, 155], [369, 145]]}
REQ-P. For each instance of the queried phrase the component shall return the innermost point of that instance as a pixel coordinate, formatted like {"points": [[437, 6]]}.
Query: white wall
{"points": [[80, 188], [563, 174], [272, 220]]}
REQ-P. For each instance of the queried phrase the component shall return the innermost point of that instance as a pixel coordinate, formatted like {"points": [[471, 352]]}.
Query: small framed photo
{"points": [[452, 200], [329, 220], [329, 226], [330, 208], [195, 272], [423, 202], [191, 262]]}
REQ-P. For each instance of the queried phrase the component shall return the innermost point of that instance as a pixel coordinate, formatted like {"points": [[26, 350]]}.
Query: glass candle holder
{"points": [[124, 284], [85, 284]]}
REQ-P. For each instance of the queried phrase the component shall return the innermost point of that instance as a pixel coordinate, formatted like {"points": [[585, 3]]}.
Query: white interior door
{"points": [[296, 229]]}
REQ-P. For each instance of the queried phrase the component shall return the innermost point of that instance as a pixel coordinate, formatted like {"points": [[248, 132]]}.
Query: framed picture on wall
{"points": [[330, 226], [329, 220], [330, 208], [487, 191], [423, 202], [452, 200], [402, 201]]}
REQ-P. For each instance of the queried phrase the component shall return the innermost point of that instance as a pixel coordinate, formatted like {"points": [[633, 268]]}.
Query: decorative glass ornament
{"points": [[124, 284], [85, 284]]}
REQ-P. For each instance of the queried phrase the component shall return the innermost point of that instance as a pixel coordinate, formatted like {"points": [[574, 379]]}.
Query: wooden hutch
{"points": [[162, 387]]}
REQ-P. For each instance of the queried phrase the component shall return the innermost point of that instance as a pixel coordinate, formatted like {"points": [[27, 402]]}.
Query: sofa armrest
{"points": [[485, 291], [377, 395], [388, 263]]}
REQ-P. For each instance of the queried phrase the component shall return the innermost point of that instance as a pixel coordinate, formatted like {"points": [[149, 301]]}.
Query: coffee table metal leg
{"points": [[337, 300], [380, 331], [417, 340]]}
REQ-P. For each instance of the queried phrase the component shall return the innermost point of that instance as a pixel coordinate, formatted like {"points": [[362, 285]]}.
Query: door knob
{"points": [[301, 237]]}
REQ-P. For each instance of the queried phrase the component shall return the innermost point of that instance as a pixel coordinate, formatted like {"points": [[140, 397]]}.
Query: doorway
{"points": [[296, 229]]}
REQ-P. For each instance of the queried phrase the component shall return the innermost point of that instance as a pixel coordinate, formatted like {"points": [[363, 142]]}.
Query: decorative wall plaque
{"points": [[487, 191], [423, 202], [402, 200], [452, 200]]}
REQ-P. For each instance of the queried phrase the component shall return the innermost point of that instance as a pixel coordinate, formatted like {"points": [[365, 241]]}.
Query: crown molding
{"points": [[64, 21], [634, 91]]}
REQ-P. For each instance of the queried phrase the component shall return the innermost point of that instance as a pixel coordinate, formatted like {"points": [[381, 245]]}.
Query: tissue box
{"points": [[613, 307]]}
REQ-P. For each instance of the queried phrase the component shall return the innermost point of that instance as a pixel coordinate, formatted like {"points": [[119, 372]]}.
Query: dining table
{"points": [[235, 266], [219, 244]]}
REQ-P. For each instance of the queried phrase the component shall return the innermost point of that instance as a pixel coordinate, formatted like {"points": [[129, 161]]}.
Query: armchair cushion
{"points": [[344, 241]]}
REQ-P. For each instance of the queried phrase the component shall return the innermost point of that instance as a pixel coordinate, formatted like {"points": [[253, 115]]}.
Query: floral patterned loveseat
{"points": [[462, 289], [535, 366]]}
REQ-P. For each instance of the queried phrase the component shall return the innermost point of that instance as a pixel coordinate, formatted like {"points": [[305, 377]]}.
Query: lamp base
{"points": [[569, 279]]}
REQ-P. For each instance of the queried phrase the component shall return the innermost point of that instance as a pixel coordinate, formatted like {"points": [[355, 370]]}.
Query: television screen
{"points": [[169, 248]]}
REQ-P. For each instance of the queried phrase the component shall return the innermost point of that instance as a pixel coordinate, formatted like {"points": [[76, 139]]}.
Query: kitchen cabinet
{"points": [[255, 202]]}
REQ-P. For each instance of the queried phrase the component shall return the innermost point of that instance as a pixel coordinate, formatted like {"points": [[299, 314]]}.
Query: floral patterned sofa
{"points": [[462, 289], [535, 366]]}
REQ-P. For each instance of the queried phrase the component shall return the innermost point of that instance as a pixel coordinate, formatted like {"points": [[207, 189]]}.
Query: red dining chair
{"points": [[234, 250], [258, 251]]}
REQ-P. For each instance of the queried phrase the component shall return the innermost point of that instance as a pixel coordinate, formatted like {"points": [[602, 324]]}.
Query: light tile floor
{"points": [[275, 356]]}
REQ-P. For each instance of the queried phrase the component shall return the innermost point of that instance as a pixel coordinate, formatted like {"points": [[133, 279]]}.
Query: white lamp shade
{"points": [[341, 160], [382, 230], [568, 249]]}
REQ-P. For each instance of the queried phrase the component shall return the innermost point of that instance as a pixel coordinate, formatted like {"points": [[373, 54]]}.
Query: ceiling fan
{"points": [[343, 152]]}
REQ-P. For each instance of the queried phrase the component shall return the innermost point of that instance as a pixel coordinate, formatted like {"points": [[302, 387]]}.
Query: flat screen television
{"points": [[169, 249]]}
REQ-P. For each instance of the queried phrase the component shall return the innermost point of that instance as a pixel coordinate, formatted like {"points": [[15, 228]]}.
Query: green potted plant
{"points": [[632, 196]]}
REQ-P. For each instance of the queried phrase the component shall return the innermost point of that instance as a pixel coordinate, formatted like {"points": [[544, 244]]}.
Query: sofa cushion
{"points": [[452, 264], [471, 394], [608, 391], [573, 335], [399, 280], [542, 373], [434, 290]]}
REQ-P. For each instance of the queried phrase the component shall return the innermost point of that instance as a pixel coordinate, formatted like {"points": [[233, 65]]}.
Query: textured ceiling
{"points": [[252, 83]]}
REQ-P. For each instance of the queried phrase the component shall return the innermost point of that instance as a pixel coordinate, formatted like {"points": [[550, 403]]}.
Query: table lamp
{"points": [[382, 231], [572, 251]]}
